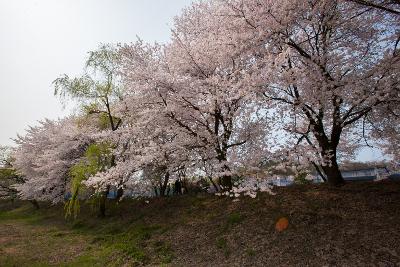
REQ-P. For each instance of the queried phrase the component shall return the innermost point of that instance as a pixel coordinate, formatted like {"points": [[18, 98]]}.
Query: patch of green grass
{"points": [[222, 244], [127, 242], [99, 239], [24, 213], [100, 242], [78, 224], [234, 218], [59, 234], [135, 233], [84, 261], [13, 262], [164, 252], [130, 249], [112, 228]]}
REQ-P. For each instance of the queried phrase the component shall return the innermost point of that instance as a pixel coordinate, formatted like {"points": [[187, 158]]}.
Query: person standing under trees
{"points": [[178, 187]]}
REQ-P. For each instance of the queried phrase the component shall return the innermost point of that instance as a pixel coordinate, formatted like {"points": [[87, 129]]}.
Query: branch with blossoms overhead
{"points": [[301, 85]]}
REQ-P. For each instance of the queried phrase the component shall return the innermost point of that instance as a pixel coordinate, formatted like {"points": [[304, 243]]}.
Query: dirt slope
{"points": [[356, 225]]}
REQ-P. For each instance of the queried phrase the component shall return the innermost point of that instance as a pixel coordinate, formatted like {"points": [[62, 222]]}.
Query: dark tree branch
{"points": [[378, 6]]}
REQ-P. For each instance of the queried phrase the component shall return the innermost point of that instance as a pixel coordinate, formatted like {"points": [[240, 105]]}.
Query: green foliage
{"points": [[129, 241], [300, 178], [88, 109], [164, 252], [98, 158], [222, 244], [104, 121], [101, 119], [98, 81], [234, 218], [78, 174], [98, 86], [77, 88], [130, 249], [104, 60], [8, 177], [7, 173]]}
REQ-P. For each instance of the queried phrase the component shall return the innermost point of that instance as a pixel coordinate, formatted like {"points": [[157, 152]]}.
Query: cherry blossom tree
{"points": [[97, 91], [147, 153], [322, 67], [390, 6], [200, 99], [241, 82], [385, 130], [44, 157], [5, 156]]}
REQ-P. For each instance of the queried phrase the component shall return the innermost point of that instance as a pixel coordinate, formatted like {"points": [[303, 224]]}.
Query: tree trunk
{"points": [[120, 193], [102, 207], [317, 168], [163, 186], [226, 182], [214, 185], [333, 173], [155, 191], [184, 186], [329, 152], [35, 204], [102, 204], [178, 187]]}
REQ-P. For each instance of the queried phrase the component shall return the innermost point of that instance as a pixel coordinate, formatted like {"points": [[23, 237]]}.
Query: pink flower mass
{"points": [[241, 83]]}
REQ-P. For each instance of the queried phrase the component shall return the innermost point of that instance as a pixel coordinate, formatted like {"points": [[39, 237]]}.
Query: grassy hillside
{"points": [[356, 225]]}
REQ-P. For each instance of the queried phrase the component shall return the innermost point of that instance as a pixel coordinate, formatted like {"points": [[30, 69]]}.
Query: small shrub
{"points": [[223, 245], [164, 252], [234, 218], [301, 178]]}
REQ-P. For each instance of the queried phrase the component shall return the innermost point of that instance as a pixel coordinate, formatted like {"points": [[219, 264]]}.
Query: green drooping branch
{"points": [[98, 158]]}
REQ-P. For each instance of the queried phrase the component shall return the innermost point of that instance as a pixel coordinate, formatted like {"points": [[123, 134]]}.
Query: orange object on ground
{"points": [[281, 224]]}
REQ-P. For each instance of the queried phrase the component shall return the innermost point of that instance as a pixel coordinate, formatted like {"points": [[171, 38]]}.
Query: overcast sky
{"points": [[39, 40]]}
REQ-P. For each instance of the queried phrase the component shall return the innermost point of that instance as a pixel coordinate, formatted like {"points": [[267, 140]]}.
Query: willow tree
{"points": [[96, 90], [97, 158]]}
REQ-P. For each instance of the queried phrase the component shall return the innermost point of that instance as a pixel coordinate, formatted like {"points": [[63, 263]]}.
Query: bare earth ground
{"points": [[355, 225]]}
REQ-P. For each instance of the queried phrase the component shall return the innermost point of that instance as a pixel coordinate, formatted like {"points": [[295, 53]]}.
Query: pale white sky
{"points": [[41, 39]]}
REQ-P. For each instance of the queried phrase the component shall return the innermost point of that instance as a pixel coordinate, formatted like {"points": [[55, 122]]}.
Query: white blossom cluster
{"points": [[249, 187], [303, 84]]}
